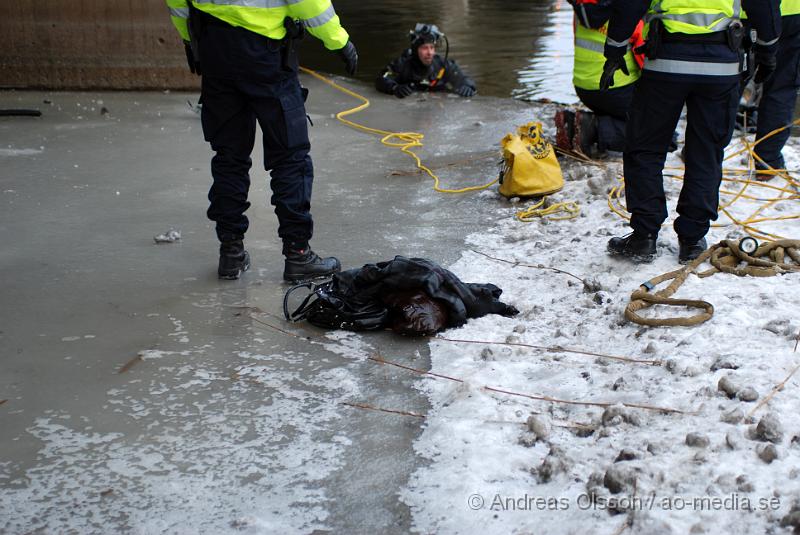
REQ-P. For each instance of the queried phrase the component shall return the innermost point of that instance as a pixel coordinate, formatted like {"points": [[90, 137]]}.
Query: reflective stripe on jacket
{"points": [[589, 59], [265, 17], [695, 16], [790, 7], [179, 13]]}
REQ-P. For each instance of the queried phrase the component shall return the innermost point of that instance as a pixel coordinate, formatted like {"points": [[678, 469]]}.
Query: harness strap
{"points": [[300, 312]]}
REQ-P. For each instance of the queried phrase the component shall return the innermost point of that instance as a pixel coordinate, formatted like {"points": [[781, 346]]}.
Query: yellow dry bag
{"points": [[530, 166]]}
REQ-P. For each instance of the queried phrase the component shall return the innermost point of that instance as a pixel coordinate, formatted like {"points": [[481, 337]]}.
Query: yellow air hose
{"points": [[406, 141], [570, 209]]}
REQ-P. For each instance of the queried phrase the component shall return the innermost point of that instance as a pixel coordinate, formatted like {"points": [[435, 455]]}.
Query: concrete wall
{"points": [[90, 44]]}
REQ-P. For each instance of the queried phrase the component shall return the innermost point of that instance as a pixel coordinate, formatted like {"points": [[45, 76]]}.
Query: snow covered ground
{"points": [[139, 394], [507, 464]]}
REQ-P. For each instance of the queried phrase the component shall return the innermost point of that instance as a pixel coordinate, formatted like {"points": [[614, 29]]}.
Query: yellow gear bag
{"points": [[530, 167]]}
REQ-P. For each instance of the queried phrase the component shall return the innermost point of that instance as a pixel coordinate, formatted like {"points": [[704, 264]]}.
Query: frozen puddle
{"points": [[217, 449]]}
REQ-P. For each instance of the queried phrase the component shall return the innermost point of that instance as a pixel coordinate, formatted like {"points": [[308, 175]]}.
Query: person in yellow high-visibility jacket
{"points": [[605, 126], [779, 95], [245, 52], [694, 58]]}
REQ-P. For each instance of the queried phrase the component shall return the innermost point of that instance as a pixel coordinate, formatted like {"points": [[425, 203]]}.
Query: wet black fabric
{"points": [[367, 285], [408, 69]]}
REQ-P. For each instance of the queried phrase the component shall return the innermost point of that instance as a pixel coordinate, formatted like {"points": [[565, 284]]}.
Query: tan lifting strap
{"points": [[726, 256]]}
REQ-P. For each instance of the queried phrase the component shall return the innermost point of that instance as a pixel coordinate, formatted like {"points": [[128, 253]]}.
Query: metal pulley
{"points": [[748, 245]]}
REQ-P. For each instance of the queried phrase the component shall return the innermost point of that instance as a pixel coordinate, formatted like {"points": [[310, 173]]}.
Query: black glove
{"points": [[466, 91], [402, 90], [349, 55], [765, 64], [611, 66], [194, 66]]}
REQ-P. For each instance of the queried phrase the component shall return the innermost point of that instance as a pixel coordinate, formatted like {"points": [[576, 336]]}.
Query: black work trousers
{"points": [[776, 108], [654, 114], [245, 82], [611, 109]]}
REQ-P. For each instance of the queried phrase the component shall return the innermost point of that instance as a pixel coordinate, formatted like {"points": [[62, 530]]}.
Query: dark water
{"points": [[520, 49], [510, 48]]}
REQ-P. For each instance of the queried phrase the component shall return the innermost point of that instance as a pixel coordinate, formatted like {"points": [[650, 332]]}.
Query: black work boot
{"points": [[638, 246], [233, 259], [304, 264], [585, 132], [688, 250]]}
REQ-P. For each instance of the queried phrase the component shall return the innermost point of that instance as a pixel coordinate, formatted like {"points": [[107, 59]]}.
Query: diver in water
{"points": [[420, 68]]}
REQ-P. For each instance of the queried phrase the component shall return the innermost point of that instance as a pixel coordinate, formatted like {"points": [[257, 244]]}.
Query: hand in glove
{"points": [[349, 55], [466, 91], [611, 66], [402, 90], [765, 64], [194, 66]]}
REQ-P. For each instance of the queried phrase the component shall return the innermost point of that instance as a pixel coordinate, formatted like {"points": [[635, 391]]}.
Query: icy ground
{"points": [[222, 425], [506, 464]]}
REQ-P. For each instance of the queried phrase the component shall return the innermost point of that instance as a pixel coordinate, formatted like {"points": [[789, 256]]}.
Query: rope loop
{"points": [[768, 260]]}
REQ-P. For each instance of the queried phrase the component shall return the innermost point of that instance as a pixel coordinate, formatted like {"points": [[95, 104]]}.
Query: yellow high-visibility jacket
{"points": [[265, 17], [695, 16], [589, 60], [790, 7]]}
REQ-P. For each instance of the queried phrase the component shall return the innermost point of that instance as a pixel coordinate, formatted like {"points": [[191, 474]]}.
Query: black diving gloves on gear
{"points": [[466, 91], [403, 90]]}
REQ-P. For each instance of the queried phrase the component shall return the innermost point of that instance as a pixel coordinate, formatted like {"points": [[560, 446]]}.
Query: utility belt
{"points": [[733, 36], [700, 38]]}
